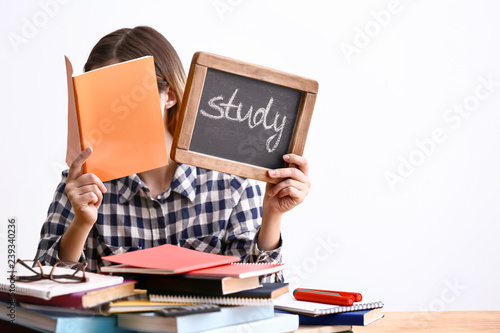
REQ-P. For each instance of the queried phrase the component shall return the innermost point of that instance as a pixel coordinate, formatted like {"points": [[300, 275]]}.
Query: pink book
{"points": [[239, 270], [169, 259]]}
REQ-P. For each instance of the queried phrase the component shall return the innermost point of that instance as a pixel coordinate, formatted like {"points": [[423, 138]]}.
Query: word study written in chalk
{"points": [[233, 112]]}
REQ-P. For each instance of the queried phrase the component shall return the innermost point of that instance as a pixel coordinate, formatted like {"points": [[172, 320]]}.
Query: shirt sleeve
{"points": [[244, 227], [59, 216]]}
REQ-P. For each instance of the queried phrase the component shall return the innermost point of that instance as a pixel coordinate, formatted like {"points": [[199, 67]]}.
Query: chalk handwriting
{"points": [[230, 111]]}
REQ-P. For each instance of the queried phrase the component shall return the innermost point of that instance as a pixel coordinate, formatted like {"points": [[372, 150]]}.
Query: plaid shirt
{"points": [[203, 210]]}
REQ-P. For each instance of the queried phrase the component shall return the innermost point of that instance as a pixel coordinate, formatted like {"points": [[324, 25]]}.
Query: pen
{"points": [[357, 296], [323, 296]]}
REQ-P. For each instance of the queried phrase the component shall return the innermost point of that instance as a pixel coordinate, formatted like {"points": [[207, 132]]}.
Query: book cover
{"points": [[280, 323], [61, 310], [188, 285], [290, 304], [219, 300], [169, 258], [353, 318], [47, 289], [63, 323], [80, 299], [324, 329], [116, 110], [265, 295], [240, 270], [267, 290], [152, 322], [136, 306], [235, 269]]}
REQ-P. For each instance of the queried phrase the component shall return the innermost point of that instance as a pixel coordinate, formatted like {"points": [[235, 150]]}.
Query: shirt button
{"points": [[156, 204]]}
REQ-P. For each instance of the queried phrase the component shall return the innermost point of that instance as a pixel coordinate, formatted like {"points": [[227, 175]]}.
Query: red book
{"points": [[168, 259]]}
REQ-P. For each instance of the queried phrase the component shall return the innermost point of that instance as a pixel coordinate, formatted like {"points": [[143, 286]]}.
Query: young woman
{"points": [[175, 204]]}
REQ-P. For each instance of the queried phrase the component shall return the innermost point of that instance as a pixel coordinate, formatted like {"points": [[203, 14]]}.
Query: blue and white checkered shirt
{"points": [[203, 210]]}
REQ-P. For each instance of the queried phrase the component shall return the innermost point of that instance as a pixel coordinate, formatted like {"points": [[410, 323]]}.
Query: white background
{"points": [[429, 241]]}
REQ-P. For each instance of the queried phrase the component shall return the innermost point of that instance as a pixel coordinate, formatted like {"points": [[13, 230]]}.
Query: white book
{"points": [[46, 288]]}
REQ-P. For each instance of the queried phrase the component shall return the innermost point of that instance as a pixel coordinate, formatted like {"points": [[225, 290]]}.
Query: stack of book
{"points": [[172, 289], [175, 275], [48, 306]]}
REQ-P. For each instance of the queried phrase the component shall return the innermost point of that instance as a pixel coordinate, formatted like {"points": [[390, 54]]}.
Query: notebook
{"points": [[196, 285], [280, 323], [61, 322], [240, 270], [167, 259], [80, 299], [353, 318], [47, 289], [153, 322], [116, 110], [289, 303], [265, 295]]}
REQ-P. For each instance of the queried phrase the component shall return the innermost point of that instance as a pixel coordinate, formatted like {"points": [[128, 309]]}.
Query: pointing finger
{"points": [[75, 169]]}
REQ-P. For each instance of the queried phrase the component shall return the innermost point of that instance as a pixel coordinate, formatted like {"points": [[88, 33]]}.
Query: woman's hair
{"points": [[127, 44]]}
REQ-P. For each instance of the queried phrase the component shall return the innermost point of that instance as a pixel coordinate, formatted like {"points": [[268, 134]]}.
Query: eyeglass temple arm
{"points": [[30, 268]]}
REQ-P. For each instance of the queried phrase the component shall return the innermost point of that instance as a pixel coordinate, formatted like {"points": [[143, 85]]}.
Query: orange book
{"points": [[116, 111]]}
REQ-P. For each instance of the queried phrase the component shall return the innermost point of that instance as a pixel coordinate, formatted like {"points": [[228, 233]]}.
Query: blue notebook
{"points": [[227, 316], [280, 323], [61, 323], [354, 318]]}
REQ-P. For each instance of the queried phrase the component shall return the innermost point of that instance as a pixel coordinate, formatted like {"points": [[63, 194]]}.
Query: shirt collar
{"points": [[183, 182]]}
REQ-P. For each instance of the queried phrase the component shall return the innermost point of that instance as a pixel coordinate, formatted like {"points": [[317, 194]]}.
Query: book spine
{"points": [[211, 300], [88, 325], [179, 284], [333, 319], [83, 144]]}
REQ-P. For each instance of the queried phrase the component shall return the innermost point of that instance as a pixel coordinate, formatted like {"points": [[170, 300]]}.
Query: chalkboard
{"points": [[241, 118]]}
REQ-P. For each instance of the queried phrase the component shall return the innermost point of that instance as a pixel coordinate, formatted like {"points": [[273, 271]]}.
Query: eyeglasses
{"points": [[62, 271]]}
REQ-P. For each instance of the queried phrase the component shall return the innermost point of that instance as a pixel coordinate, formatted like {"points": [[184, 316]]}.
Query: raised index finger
{"points": [[75, 169]]}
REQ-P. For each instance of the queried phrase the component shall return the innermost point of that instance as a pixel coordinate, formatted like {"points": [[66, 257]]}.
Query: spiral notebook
{"points": [[47, 289], [238, 270], [290, 304], [266, 295]]}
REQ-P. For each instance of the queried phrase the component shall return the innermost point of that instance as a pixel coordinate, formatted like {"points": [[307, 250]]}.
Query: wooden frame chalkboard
{"points": [[240, 118]]}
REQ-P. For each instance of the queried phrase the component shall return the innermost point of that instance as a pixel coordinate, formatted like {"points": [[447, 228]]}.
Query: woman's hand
{"points": [[84, 190], [292, 190]]}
